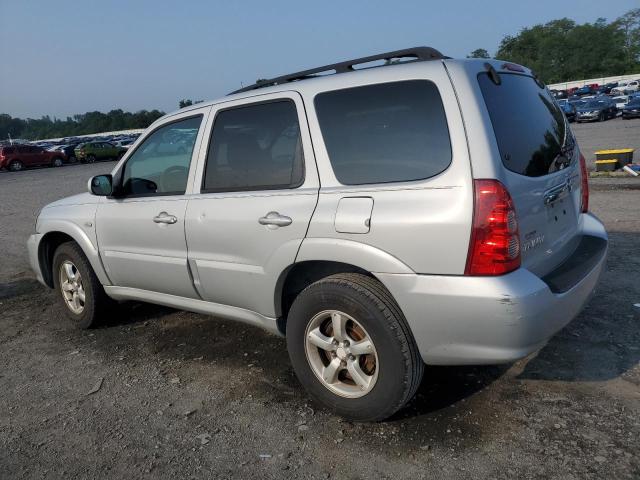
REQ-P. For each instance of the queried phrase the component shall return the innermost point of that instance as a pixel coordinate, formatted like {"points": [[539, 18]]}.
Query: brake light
{"points": [[584, 175], [495, 241]]}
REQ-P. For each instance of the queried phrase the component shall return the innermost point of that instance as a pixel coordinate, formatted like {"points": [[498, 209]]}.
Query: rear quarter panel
{"points": [[424, 224]]}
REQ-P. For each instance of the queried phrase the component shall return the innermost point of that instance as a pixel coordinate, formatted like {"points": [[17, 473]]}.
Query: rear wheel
{"points": [[73, 159], [16, 166], [79, 290], [91, 159], [351, 347], [57, 162]]}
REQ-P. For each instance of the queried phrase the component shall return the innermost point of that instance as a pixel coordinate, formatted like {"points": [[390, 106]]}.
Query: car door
{"points": [[110, 150], [141, 235], [257, 190]]}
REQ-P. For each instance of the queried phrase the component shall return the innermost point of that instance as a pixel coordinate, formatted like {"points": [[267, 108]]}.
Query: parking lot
{"points": [[160, 393]]}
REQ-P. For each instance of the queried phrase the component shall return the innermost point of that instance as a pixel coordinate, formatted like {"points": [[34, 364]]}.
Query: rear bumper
{"points": [[458, 320]]}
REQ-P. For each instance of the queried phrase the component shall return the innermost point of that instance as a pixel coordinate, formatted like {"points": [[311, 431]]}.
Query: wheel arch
{"points": [[62, 232]]}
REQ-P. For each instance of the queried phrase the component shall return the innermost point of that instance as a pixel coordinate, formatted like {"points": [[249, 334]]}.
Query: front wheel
{"points": [[16, 166], [57, 162], [91, 159], [79, 290], [351, 347]]}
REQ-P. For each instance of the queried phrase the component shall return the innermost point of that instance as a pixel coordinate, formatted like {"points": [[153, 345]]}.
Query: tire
{"points": [[96, 302], [73, 159], [369, 310], [91, 159], [57, 162], [601, 118], [15, 166]]}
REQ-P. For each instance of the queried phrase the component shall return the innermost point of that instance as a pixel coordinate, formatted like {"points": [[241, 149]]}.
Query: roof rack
{"points": [[416, 53]]}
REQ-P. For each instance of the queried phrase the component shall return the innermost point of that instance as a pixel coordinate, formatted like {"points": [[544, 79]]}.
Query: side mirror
{"points": [[101, 185]]}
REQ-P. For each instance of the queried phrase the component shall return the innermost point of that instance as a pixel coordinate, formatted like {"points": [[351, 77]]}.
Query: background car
{"points": [[620, 101], [596, 110], [626, 87], [632, 109], [19, 157], [583, 91], [93, 151], [569, 110]]}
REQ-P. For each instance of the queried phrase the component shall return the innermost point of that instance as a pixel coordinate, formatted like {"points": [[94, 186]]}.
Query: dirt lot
{"points": [[181, 395]]}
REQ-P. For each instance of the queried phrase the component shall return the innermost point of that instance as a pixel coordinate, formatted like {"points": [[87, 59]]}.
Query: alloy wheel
{"points": [[341, 354], [71, 287]]}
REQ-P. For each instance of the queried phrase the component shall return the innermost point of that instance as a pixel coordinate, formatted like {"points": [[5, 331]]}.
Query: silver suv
{"points": [[423, 210]]}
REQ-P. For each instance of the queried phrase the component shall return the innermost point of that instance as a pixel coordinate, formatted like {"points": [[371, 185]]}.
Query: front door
{"points": [[258, 191], [141, 236]]}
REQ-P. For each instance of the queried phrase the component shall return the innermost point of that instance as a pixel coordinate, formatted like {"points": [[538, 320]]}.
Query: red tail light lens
{"points": [[495, 240], [584, 175]]}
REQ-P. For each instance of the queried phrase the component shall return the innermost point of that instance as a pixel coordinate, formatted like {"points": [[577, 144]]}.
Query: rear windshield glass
{"points": [[391, 132], [529, 126]]}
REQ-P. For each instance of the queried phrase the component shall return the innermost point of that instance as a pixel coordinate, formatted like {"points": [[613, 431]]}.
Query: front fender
{"points": [[83, 234]]}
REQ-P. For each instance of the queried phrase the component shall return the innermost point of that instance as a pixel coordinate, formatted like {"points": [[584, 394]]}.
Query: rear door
{"points": [[257, 192], [541, 167]]}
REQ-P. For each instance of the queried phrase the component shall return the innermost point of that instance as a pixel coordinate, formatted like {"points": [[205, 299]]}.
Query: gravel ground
{"points": [[612, 134], [159, 393]]}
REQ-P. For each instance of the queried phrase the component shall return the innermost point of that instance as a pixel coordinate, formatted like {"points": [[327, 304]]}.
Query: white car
{"points": [[626, 87], [620, 101]]}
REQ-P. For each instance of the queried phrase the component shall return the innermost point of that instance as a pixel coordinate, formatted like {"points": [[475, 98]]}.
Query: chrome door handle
{"points": [[164, 217], [275, 220]]}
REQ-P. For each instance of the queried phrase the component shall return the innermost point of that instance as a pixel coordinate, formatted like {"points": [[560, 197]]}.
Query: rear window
{"points": [[529, 126], [391, 132]]}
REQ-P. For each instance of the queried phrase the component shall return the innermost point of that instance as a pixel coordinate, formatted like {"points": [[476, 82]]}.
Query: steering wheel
{"points": [[170, 172]]}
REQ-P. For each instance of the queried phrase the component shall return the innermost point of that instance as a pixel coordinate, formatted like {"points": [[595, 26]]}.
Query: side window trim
{"points": [[257, 188], [196, 147]]}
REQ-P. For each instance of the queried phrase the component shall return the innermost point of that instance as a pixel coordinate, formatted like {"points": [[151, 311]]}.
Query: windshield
{"points": [[530, 128]]}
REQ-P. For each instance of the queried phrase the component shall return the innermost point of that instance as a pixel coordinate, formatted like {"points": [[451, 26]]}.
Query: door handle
{"points": [[164, 217], [274, 220]]}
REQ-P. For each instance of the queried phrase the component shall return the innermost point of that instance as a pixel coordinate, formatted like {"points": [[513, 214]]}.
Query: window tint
{"points": [[257, 147], [160, 165], [390, 132], [529, 127]]}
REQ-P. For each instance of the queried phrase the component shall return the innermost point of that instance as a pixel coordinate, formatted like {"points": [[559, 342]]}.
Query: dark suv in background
{"points": [[18, 157]]}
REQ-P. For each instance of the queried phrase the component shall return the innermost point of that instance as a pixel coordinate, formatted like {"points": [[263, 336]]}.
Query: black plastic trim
{"points": [[417, 53], [586, 256]]}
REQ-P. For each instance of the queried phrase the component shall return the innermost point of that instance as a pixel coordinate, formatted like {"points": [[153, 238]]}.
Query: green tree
{"points": [[561, 50], [479, 53], [187, 102]]}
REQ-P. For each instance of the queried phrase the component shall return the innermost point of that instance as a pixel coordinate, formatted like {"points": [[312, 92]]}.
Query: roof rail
{"points": [[416, 53]]}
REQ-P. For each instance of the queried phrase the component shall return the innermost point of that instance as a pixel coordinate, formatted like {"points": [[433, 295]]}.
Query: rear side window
{"points": [[529, 126], [255, 147], [391, 132]]}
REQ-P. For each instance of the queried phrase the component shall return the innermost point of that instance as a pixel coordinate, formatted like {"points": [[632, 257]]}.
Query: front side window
{"points": [[390, 132], [255, 147], [160, 165]]}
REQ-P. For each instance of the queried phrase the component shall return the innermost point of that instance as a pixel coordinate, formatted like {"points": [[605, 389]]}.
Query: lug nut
{"points": [[352, 357], [345, 343], [335, 342]]}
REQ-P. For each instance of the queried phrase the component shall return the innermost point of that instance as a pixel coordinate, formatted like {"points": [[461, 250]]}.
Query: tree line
{"points": [[562, 50], [83, 124]]}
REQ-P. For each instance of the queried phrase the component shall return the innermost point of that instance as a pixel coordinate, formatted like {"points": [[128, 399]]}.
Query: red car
{"points": [[18, 157]]}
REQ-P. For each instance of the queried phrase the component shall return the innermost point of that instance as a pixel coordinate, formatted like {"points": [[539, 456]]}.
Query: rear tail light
{"points": [[495, 241], [584, 175]]}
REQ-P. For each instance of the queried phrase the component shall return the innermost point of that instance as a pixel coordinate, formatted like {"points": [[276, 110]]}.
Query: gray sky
{"points": [[65, 57]]}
